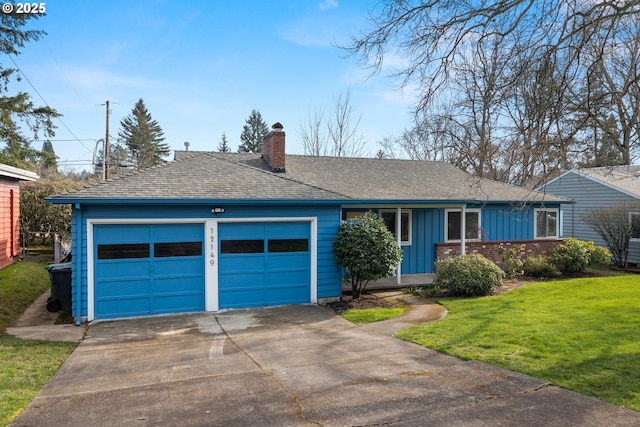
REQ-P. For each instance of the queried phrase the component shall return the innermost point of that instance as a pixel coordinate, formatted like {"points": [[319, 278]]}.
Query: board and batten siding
{"points": [[589, 194], [498, 222], [328, 220], [9, 221]]}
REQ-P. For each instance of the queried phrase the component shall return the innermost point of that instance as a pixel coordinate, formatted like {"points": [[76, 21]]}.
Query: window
{"points": [[124, 251], [389, 217], [164, 250], [453, 224], [241, 246], [353, 214], [546, 225], [288, 245], [634, 217]]}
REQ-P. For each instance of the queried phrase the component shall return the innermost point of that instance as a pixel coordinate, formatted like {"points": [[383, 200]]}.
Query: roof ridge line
{"points": [[277, 175]]}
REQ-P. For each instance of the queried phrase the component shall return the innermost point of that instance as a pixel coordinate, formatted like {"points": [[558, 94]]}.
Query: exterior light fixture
{"points": [[217, 210]]}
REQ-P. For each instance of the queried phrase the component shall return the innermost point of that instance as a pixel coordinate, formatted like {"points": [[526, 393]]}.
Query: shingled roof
{"points": [[626, 178], [227, 176]]}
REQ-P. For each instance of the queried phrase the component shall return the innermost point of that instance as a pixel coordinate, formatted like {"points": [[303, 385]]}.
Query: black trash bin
{"points": [[60, 287]]}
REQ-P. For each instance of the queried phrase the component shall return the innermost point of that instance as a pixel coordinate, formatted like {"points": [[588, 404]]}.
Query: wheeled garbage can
{"points": [[60, 275]]}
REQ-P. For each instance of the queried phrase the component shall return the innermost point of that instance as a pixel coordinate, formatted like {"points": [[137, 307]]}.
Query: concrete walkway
{"points": [[290, 366]]}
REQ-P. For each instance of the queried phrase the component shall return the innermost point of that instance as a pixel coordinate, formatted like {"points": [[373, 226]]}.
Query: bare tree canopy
{"points": [[432, 35], [513, 90]]}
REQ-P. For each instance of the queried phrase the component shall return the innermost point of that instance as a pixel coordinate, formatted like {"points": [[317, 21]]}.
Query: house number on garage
{"points": [[212, 247]]}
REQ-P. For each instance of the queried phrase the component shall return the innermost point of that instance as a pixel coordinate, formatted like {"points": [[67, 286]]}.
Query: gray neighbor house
{"points": [[593, 188]]}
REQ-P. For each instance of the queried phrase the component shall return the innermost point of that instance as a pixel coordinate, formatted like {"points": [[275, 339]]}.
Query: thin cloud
{"points": [[327, 4]]}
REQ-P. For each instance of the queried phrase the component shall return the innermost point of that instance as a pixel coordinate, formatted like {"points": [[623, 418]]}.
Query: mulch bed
{"points": [[365, 301]]}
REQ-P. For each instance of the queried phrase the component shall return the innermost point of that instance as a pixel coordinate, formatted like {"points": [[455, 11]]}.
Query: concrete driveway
{"points": [[289, 366]]}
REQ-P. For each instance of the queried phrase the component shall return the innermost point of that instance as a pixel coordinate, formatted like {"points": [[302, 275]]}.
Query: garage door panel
{"points": [[177, 285], [277, 271], [123, 288], [243, 280], [177, 266], [287, 295], [176, 303], [168, 279], [288, 278], [122, 270], [242, 299], [241, 230], [288, 230], [123, 307], [239, 263], [177, 232], [122, 233]]}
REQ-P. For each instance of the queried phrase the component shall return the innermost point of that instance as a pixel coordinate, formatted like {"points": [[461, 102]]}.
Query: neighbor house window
{"points": [[389, 217], [634, 217], [453, 224], [546, 223]]}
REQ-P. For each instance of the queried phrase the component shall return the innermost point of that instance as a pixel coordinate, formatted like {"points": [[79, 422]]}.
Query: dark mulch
{"points": [[365, 301]]}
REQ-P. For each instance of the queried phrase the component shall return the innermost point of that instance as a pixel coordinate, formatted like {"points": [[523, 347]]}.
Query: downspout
{"points": [[463, 225], [399, 240], [77, 265]]}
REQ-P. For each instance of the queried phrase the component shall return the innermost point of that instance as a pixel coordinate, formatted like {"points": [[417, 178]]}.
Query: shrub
{"points": [[367, 250], [511, 264], [468, 275], [539, 266], [575, 255]]}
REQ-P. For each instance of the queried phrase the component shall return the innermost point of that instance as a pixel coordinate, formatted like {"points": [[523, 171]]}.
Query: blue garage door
{"points": [[144, 269], [264, 264]]}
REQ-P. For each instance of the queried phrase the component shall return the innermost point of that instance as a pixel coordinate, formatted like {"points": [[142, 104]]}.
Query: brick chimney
{"points": [[273, 148]]}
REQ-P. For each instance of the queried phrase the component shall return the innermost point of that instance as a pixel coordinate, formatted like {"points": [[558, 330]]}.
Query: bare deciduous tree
{"points": [[614, 225], [342, 127], [432, 34], [314, 140]]}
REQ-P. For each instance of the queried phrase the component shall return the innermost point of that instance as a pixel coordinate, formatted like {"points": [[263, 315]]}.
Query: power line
{"points": [[46, 103]]}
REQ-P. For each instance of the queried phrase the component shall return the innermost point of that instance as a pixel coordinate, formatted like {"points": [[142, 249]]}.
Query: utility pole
{"points": [[106, 148]]}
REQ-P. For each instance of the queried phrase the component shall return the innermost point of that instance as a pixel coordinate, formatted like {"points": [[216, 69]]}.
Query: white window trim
{"points": [[535, 223], [446, 225], [409, 225], [631, 214]]}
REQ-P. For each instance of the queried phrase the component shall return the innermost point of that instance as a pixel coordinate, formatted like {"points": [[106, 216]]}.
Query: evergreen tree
{"points": [[223, 146], [49, 163], [143, 137], [253, 134], [17, 112]]}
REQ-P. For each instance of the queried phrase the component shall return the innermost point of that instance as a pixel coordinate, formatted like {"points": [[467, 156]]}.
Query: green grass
{"points": [[369, 315], [25, 365], [580, 334]]}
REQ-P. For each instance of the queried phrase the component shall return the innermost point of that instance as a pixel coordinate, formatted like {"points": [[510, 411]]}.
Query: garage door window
{"points": [[124, 251], [288, 245], [165, 250], [241, 246]]}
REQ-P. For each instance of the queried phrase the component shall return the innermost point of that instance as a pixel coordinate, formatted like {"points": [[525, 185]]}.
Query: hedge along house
{"points": [[212, 231], [10, 178]]}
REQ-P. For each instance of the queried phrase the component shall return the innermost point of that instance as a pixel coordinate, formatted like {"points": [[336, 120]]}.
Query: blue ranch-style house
{"points": [[211, 231]]}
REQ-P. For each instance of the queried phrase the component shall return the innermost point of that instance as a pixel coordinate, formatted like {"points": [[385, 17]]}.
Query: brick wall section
{"points": [[273, 150], [490, 249]]}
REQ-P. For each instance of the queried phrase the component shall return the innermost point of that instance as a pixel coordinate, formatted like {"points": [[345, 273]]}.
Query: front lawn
{"points": [[580, 334], [25, 365]]}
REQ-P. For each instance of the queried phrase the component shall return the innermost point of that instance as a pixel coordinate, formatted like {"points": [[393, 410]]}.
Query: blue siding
{"points": [[328, 220], [505, 222]]}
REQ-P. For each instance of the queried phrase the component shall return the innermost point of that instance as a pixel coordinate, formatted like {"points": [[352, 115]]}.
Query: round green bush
{"points": [[468, 275], [576, 255], [539, 266]]}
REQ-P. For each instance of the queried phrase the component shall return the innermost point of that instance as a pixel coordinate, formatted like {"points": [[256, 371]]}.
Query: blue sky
{"points": [[201, 67]]}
